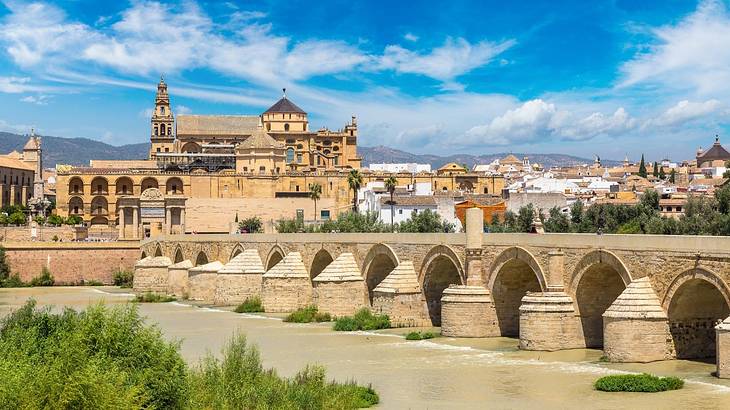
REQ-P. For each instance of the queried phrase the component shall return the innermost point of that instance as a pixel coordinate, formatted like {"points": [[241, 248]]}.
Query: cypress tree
{"points": [[672, 176], [656, 169], [662, 175], [642, 167]]}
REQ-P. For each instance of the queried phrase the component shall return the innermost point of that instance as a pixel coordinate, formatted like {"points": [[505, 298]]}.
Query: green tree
{"points": [[642, 167], [650, 199], [4, 265], [662, 174], [354, 181], [54, 220], [722, 196], [17, 218], [74, 220], [673, 176], [315, 192], [655, 172], [525, 218], [390, 184], [557, 221], [425, 221], [251, 225], [576, 212]]}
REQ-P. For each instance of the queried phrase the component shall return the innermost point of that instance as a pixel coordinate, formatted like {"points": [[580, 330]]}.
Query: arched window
{"points": [[290, 155], [162, 110], [157, 131], [169, 130], [286, 127], [162, 129]]}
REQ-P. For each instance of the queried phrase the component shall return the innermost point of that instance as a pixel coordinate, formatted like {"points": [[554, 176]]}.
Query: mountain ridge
{"points": [[79, 151]]}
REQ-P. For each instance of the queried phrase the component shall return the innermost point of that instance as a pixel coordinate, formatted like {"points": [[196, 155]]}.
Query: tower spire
{"points": [[284, 91]]}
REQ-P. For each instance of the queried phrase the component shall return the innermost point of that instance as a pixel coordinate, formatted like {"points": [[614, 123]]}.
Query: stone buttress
{"points": [[468, 310], [201, 281], [722, 332], [340, 288], [239, 279], [547, 319], [286, 286], [177, 279], [635, 326], [150, 274], [399, 297]]}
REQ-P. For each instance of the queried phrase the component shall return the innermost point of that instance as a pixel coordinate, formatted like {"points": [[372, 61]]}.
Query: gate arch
{"points": [[379, 262], [320, 261], [441, 268]]}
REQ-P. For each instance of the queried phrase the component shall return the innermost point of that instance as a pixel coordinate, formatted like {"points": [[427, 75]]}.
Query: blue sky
{"points": [[601, 77]]}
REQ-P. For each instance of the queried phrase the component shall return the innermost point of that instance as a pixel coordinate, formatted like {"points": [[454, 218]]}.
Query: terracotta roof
{"points": [[411, 200], [216, 124], [33, 143], [510, 159], [715, 152], [284, 105], [708, 181], [8, 162]]}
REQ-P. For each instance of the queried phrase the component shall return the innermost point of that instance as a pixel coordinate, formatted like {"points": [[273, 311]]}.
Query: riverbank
{"points": [[437, 373]]}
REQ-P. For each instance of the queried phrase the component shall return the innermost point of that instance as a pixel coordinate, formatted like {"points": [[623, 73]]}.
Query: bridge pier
{"points": [[722, 332], [239, 279], [202, 279], [399, 297], [468, 310], [150, 274], [286, 286], [340, 289], [177, 278], [547, 319]]}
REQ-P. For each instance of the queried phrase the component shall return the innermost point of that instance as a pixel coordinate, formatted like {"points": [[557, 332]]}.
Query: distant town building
{"points": [[411, 167]]}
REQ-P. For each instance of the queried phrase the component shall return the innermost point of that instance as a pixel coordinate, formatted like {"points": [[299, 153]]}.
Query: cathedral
{"points": [[276, 141]]}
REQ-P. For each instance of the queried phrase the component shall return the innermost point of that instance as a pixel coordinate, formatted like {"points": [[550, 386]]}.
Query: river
{"points": [[441, 373]]}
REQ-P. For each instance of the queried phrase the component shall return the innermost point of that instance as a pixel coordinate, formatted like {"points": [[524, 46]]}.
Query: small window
{"points": [[297, 188], [337, 160], [324, 214], [485, 190], [299, 158], [167, 149], [162, 110], [286, 127], [158, 149], [290, 155], [400, 212], [262, 170]]}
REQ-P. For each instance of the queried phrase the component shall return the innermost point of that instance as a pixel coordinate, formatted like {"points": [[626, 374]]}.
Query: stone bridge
{"points": [[639, 297]]}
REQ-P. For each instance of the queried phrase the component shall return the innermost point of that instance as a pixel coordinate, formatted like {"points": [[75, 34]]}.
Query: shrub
{"points": [[45, 279], [420, 335], [4, 265], [638, 383], [14, 281], [239, 381], [93, 283], [362, 320], [104, 357], [17, 218], [250, 305], [74, 220], [307, 315], [123, 278], [251, 225], [151, 297], [54, 220]]}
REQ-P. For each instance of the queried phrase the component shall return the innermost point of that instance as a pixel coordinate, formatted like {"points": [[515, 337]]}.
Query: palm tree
{"points": [[390, 187], [354, 180], [315, 192]]}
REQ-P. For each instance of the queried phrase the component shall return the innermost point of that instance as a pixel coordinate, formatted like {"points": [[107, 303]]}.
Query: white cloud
{"points": [[181, 109], [685, 111], [454, 58], [14, 84], [539, 121], [690, 55], [410, 37], [38, 99]]}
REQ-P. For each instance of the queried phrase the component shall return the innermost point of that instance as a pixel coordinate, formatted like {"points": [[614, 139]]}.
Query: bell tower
{"points": [[162, 136]]}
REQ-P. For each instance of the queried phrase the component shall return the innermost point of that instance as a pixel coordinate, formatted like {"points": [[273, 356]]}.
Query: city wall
{"points": [[71, 262]]}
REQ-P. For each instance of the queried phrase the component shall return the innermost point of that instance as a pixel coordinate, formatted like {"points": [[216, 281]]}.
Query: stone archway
{"points": [[440, 269], [238, 249], [320, 261], [379, 262], [599, 278], [158, 250], [276, 254], [201, 259], [695, 301], [514, 273], [179, 255]]}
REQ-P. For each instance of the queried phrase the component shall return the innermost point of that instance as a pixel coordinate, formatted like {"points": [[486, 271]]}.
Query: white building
{"points": [[405, 206], [411, 167]]}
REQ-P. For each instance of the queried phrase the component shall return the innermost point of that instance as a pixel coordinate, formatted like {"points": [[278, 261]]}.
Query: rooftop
{"points": [[284, 105], [224, 125]]}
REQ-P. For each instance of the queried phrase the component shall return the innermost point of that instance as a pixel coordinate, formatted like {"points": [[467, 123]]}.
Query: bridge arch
{"points": [[441, 268], [379, 262], [236, 251], [320, 261], [158, 249], [696, 299], [144, 255], [178, 255], [597, 280], [276, 254], [514, 272], [201, 259]]}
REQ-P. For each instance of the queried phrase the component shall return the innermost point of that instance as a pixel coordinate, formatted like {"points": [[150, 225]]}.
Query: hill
{"points": [[382, 154], [78, 151]]}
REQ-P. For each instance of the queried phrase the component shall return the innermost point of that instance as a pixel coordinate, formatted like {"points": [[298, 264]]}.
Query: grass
{"points": [[420, 335], [107, 357], [250, 305], [645, 383], [123, 278], [151, 297], [308, 314], [362, 320]]}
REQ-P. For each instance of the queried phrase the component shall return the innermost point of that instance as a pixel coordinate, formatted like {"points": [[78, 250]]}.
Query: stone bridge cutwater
{"points": [[640, 298]]}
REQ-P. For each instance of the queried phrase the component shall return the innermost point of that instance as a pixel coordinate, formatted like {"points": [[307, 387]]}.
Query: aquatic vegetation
{"points": [[250, 305], [364, 319], [107, 357], [420, 335], [638, 383], [151, 297], [307, 315]]}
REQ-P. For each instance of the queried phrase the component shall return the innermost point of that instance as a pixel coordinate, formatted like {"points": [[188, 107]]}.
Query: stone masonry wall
{"points": [[233, 289], [74, 262]]}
